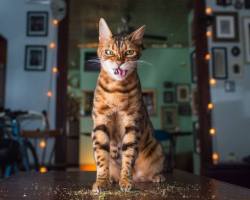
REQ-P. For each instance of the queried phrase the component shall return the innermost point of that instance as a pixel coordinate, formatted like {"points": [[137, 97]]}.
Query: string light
{"points": [[43, 169], [209, 10], [52, 45], [49, 93], [210, 106], [55, 22], [212, 131], [209, 33], [55, 70], [42, 144], [208, 56], [215, 158], [212, 82]]}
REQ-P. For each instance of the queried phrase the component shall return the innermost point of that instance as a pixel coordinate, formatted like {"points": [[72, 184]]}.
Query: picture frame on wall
{"points": [[169, 120], [246, 29], [225, 27], [195, 101], [37, 23], [88, 97], [219, 63], [149, 99], [35, 57], [182, 93], [168, 97], [193, 67], [224, 2], [247, 4], [91, 62], [184, 109]]}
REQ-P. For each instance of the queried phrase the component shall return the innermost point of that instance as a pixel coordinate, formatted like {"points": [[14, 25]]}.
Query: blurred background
{"points": [[194, 73]]}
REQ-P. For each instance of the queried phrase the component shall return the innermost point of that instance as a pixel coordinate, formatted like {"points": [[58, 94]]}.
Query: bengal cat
{"points": [[124, 147]]}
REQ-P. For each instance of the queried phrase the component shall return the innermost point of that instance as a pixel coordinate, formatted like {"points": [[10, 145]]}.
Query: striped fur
{"points": [[124, 147]]}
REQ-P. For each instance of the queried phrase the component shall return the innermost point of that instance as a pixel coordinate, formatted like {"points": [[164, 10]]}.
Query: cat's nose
{"points": [[119, 63]]}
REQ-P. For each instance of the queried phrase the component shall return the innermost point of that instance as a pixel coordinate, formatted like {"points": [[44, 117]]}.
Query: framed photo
{"points": [[88, 97], [149, 99], [224, 2], [237, 71], [37, 23], [246, 29], [169, 118], [168, 84], [219, 62], [91, 62], [182, 93], [35, 57], [168, 97], [184, 109], [247, 4], [225, 27], [193, 67]]}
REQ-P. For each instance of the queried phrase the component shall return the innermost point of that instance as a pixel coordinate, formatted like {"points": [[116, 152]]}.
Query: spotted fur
{"points": [[124, 147]]}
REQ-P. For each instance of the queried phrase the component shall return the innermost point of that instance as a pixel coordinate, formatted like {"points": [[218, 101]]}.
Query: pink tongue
{"points": [[121, 72]]}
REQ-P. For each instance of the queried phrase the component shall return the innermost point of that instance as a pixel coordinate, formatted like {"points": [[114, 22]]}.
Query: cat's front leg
{"points": [[129, 154], [100, 137]]}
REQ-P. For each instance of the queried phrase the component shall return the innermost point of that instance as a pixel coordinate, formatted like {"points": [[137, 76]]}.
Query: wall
{"points": [[169, 64], [163, 18], [231, 115], [24, 89]]}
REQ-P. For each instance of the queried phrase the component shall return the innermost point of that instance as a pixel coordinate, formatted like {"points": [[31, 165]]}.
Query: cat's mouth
{"points": [[120, 72]]}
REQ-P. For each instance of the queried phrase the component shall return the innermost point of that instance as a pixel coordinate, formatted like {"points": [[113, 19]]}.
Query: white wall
{"points": [[26, 89], [231, 115]]}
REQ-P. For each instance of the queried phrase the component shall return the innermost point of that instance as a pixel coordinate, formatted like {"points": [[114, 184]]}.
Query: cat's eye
{"points": [[130, 53], [109, 52]]}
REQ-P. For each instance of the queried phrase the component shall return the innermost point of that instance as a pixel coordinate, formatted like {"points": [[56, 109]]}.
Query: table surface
{"points": [[77, 185]]}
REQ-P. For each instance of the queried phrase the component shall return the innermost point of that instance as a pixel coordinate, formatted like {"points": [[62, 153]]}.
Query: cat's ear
{"points": [[104, 31], [137, 35]]}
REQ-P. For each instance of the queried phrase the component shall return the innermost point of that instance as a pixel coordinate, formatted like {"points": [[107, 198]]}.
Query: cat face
{"points": [[118, 54]]}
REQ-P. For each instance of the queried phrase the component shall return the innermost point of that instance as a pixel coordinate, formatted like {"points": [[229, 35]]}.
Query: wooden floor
{"points": [[77, 185]]}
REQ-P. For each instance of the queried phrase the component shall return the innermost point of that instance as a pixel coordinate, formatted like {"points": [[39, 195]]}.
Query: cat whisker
{"points": [[94, 60], [144, 62]]}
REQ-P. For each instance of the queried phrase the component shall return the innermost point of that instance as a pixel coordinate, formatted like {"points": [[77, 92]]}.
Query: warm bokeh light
{"points": [[215, 158], [52, 45], [209, 10], [210, 106], [208, 56], [212, 131], [49, 94], [90, 167], [209, 33], [212, 82], [43, 169], [55, 22], [42, 144], [55, 70]]}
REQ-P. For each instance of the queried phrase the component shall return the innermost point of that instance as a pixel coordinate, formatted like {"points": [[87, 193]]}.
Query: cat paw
{"points": [[100, 186], [125, 185], [158, 178]]}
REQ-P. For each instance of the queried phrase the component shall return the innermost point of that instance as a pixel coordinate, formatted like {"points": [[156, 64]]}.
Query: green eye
{"points": [[109, 52], [130, 53]]}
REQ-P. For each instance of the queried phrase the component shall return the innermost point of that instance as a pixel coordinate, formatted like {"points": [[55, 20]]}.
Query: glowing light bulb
{"points": [[52, 45], [49, 94], [212, 82], [210, 106], [209, 10], [42, 144], [208, 56], [55, 70], [55, 22], [215, 158], [209, 33], [43, 169], [212, 131]]}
